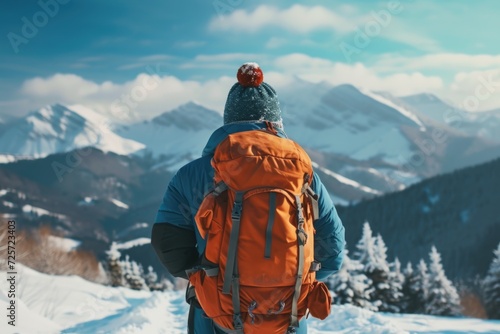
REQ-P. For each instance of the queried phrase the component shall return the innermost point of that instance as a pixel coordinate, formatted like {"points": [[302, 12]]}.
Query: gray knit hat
{"points": [[251, 99]]}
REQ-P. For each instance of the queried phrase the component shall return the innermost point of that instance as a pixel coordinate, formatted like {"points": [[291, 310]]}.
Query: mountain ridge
{"points": [[57, 128]]}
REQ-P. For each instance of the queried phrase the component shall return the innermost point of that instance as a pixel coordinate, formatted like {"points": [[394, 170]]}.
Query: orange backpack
{"points": [[258, 271]]}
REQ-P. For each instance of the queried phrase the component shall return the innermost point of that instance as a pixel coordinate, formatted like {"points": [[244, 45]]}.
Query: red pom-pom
{"points": [[250, 75]]}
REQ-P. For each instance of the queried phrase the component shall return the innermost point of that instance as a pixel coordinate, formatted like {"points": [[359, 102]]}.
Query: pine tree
{"points": [[114, 266], [415, 287], [395, 292], [133, 274], [365, 253], [442, 296], [408, 304], [151, 279], [350, 285], [372, 255], [166, 285], [491, 287], [420, 288], [380, 276]]}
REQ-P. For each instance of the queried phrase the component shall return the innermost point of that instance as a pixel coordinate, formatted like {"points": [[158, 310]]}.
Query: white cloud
{"points": [[297, 18], [61, 86], [408, 36], [150, 94], [440, 61], [301, 19], [320, 69], [475, 90], [145, 96]]}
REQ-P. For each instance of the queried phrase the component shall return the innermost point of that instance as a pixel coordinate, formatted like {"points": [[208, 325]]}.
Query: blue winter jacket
{"points": [[189, 185]]}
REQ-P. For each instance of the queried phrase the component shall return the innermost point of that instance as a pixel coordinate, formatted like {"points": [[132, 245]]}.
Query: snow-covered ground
{"points": [[56, 304]]}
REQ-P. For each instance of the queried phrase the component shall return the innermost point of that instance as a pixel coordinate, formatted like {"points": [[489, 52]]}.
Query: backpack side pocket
{"points": [[319, 300]]}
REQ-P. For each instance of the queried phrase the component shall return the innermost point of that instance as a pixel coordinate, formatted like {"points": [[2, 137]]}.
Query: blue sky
{"points": [[92, 52]]}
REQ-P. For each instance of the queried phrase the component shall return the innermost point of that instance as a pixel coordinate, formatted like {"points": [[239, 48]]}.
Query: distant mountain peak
{"points": [[422, 97], [190, 116], [58, 128], [346, 87]]}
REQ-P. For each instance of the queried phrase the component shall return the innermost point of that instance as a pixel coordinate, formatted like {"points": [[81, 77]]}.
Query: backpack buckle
{"points": [[302, 234], [236, 212]]}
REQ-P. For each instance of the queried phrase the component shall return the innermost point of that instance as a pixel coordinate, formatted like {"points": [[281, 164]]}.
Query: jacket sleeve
{"points": [[329, 240], [175, 247], [173, 236]]}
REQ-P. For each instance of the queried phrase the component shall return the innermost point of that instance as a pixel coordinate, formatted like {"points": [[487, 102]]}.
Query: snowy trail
{"points": [[69, 304], [159, 313]]}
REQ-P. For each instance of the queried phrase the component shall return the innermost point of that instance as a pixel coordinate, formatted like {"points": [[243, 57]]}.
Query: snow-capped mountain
{"points": [[377, 142], [57, 128], [381, 132], [345, 121], [483, 124], [370, 139], [180, 134]]}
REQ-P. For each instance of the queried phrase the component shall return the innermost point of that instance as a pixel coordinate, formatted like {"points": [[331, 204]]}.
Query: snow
{"points": [[69, 304], [179, 134], [35, 323], [56, 129], [119, 204], [133, 243], [347, 319], [416, 323], [87, 201], [391, 104], [8, 204], [345, 180], [35, 211], [66, 244], [89, 114], [6, 158]]}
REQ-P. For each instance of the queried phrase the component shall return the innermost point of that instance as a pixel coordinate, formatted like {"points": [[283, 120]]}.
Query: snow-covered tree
{"points": [[128, 273], [114, 266], [133, 274], [365, 252], [152, 282], [395, 292], [491, 287], [372, 255], [350, 285], [151, 278], [442, 296], [415, 288], [380, 276], [407, 300]]}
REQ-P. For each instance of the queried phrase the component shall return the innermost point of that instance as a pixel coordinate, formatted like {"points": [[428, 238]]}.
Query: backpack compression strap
{"points": [[231, 276], [301, 241]]}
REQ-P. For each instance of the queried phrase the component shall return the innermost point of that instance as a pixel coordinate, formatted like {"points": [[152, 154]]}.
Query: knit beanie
{"points": [[251, 99]]}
